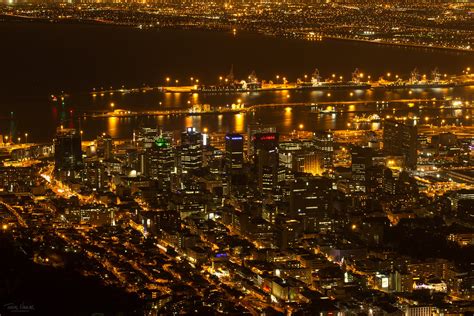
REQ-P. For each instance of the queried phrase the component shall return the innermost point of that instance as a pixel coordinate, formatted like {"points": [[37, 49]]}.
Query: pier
{"points": [[320, 107]]}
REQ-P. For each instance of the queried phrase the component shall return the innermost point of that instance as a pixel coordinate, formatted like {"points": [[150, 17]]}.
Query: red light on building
{"points": [[264, 137]]}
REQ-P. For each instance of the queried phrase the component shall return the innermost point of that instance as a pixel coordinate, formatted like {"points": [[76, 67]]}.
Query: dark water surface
{"points": [[40, 59]]}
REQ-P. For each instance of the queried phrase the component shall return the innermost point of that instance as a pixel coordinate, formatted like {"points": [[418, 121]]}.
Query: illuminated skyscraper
{"points": [[234, 152], [310, 202], [400, 138], [324, 145], [362, 161], [266, 159], [190, 150], [160, 159], [105, 147], [67, 151]]}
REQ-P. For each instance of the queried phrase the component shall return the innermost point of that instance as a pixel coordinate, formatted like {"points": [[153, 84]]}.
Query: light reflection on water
{"points": [[286, 119]]}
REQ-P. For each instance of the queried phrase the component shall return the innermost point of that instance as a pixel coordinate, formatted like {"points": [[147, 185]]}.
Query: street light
{"points": [[26, 137]]}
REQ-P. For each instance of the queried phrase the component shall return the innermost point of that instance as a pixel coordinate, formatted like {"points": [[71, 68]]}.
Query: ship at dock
{"points": [[358, 81], [416, 81], [317, 84], [231, 85]]}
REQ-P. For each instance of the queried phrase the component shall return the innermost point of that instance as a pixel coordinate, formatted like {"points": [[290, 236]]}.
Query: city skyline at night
{"points": [[237, 158]]}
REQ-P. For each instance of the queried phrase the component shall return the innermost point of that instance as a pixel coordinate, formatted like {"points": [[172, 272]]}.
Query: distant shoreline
{"points": [[14, 18], [401, 44]]}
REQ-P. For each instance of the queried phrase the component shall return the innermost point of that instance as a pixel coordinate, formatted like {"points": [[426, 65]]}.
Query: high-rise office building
{"points": [[266, 158], [400, 138], [362, 161], [234, 152], [310, 199], [256, 128], [160, 160], [190, 150], [324, 145], [67, 151], [105, 146]]}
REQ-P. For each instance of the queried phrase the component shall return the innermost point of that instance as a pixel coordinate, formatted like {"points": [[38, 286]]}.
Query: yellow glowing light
{"points": [[301, 126], [205, 129], [4, 226]]}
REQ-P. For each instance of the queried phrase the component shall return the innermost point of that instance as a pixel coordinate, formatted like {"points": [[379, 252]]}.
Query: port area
{"points": [[460, 81], [319, 108]]}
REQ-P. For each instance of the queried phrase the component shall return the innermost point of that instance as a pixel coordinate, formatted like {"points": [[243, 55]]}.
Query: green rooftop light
{"points": [[161, 142]]}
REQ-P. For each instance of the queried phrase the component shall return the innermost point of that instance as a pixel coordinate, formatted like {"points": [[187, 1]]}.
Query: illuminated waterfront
{"points": [[112, 65], [131, 156]]}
